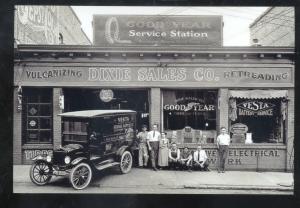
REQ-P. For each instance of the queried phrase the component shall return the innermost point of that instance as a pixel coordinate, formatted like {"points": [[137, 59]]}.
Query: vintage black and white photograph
{"points": [[153, 100]]}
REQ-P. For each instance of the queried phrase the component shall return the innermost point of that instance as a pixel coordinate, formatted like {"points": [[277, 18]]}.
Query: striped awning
{"points": [[258, 94]]}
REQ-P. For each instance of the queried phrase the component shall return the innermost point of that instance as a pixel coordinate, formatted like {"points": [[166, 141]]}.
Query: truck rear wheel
{"points": [[80, 176]]}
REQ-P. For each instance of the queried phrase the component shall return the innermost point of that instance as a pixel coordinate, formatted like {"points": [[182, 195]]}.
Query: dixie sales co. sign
{"points": [[157, 30]]}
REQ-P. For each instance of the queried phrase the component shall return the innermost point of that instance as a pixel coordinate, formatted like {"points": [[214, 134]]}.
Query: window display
{"points": [[191, 113], [263, 120]]}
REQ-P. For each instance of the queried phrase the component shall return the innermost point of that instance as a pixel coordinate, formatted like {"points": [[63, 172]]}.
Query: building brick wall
{"points": [[36, 24], [276, 27], [17, 131], [155, 107], [56, 118], [290, 130], [70, 27], [43, 24]]}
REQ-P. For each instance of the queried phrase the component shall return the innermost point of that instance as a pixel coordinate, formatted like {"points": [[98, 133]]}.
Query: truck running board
{"points": [[107, 165]]}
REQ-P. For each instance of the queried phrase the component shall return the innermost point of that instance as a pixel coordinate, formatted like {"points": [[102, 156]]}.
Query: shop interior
{"points": [[266, 125], [77, 99]]}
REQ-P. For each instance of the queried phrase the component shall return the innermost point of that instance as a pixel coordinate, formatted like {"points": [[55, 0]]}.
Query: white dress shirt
{"points": [[153, 137], [200, 157], [223, 139]]}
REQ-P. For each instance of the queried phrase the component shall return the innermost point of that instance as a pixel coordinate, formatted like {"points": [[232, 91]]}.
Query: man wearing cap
{"points": [[142, 144], [153, 138]]}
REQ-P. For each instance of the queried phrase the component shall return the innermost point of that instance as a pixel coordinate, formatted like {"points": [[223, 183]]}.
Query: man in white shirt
{"points": [[223, 141], [200, 159], [153, 138]]}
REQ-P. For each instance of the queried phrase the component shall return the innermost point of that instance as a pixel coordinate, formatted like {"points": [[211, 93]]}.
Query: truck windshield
{"points": [[74, 131]]}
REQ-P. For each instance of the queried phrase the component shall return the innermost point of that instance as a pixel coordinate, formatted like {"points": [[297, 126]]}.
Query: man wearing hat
{"points": [[142, 144]]}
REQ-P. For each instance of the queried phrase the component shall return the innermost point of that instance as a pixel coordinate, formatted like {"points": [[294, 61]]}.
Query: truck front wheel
{"points": [[125, 162]]}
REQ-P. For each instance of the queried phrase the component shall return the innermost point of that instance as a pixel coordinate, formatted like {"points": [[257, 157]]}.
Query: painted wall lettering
{"points": [[109, 74], [29, 154], [161, 74], [48, 74], [244, 156], [256, 75], [147, 76], [36, 24]]}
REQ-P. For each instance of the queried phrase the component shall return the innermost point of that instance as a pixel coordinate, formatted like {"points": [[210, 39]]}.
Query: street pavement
{"points": [[147, 181]]}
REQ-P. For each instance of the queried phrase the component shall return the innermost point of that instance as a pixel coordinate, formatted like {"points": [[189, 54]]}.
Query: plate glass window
{"points": [[37, 116], [189, 116]]}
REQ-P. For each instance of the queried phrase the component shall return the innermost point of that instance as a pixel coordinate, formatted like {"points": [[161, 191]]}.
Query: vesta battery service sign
{"points": [[157, 30], [254, 107]]}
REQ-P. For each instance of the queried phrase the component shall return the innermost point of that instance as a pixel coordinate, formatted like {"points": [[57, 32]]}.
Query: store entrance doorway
{"points": [[77, 99]]}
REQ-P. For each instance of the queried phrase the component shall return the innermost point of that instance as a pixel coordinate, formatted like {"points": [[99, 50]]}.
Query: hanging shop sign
{"points": [[106, 95], [153, 76], [255, 107], [157, 30], [239, 128], [238, 131]]}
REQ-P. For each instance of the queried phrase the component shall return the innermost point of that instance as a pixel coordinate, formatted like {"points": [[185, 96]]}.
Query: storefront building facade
{"points": [[190, 91]]}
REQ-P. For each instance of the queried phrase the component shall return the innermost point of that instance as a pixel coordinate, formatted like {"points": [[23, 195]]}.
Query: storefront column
{"points": [[17, 131], [155, 106], [222, 115], [56, 118], [290, 131]]}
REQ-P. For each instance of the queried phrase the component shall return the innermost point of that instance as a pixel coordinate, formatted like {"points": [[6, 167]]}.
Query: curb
{"points": [[239, 187]]}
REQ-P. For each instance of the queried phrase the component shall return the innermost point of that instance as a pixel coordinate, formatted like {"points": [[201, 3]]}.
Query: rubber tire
{"points": [[32, 178], [88, 179], [130, 164]]}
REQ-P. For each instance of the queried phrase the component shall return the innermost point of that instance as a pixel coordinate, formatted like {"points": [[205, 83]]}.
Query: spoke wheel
{"points": [[80, 176], [125, 162], [40, 173]]}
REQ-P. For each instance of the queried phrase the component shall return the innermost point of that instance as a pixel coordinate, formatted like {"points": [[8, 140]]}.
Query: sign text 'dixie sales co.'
{"points": [[135, 74], [157, 30]]}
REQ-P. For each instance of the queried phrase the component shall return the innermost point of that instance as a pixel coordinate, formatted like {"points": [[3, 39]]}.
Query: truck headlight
{"points": [[67, 159], [48, 158]]}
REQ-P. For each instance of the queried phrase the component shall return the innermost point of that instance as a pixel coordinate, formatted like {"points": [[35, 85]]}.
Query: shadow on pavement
{"points": [[63, 181]]}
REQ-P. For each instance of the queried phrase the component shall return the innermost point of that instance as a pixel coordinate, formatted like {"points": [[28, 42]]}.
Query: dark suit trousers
{"points": [[223, 151], [154, 153]]}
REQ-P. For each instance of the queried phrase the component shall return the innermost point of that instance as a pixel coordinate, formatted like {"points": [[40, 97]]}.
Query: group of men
{"points": [[148, 143]]}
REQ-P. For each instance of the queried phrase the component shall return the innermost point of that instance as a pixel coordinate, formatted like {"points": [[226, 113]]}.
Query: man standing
{"points": [[153, 144], [200, 159], [142, 144], [223, 141]]}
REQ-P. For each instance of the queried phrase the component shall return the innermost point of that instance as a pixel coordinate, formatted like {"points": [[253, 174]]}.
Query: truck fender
{"points": [[122, 149], [78, 160], [40, 157]]}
